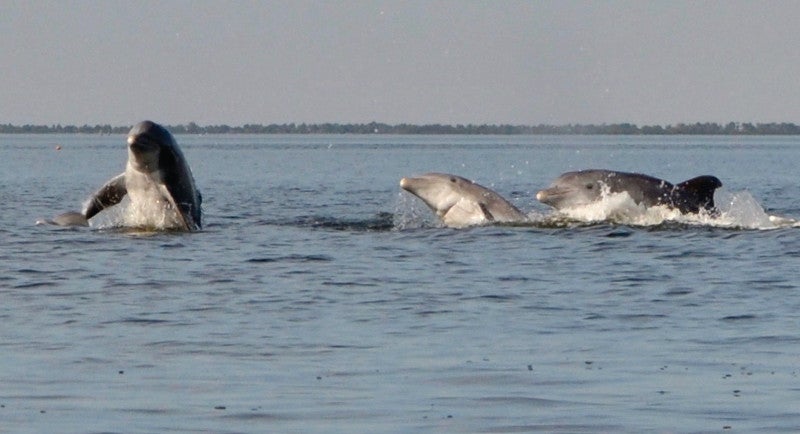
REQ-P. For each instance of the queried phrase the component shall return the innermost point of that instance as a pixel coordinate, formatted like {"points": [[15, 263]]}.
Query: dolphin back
{"points": [[495, 208], [70, 218], [180, 184], [498, 209]]}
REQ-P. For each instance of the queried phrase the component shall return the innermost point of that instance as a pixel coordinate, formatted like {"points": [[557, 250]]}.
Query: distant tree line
{"points": [[708, 128]]}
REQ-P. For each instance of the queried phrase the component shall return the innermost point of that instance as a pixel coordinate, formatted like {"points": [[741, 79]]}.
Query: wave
{"points": [[146, 218], [735, 210], [380, 222]]}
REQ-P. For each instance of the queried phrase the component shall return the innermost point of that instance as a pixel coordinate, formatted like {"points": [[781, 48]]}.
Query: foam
{"points": [[735, 210], [738, 210], [148, 215]]}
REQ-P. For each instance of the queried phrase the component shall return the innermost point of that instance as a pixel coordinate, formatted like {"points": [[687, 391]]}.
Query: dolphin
{"points": [[574, 189], [156, 178], [459, 202]]}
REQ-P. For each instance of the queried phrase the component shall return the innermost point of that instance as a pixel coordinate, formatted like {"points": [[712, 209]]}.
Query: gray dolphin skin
{"points": [[156, 173], [459, 202], [574, 189]]}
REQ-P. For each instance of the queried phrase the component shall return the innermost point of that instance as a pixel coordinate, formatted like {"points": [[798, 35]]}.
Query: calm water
{"points": [[320, 299]]}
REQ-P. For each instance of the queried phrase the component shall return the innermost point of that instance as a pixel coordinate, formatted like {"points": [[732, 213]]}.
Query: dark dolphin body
{"points": [[156, 175], [460, 202], [574, 189]]}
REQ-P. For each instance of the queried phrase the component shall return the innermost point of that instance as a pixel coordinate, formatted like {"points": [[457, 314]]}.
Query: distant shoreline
{"points": [[708, 128]]}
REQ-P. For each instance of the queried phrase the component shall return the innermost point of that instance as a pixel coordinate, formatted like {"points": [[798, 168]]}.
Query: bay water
{"points": [[320, 298]]}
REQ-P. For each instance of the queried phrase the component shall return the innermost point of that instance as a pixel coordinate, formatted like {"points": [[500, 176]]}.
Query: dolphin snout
{"points": [[551, 195], [541, 195], [404, 183]]}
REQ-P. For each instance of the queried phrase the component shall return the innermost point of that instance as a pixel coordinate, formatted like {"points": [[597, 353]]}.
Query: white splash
{"points": [[619, 208], [735, 210], [157, 215], [412, 213], [742, 210], [144, 215], [738, 210]]}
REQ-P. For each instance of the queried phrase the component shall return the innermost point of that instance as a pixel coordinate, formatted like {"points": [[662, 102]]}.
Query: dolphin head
{"points": [[574, 189], [145, 142], [439, 191]]}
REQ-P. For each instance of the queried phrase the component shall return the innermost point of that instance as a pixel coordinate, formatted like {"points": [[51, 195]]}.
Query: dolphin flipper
{"points": [[486, 213], [109, 194], [466, 212], [697, 193]]}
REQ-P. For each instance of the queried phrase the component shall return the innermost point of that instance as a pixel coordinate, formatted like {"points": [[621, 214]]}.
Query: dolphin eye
{"points": [[589, 186], [452, 180]]}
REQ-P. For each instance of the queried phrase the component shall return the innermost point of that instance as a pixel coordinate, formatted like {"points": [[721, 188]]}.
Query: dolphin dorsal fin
{"points": [[693, 194]]}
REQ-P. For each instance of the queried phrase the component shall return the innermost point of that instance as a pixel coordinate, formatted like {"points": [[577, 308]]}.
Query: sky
{"points": [[451, 62]]}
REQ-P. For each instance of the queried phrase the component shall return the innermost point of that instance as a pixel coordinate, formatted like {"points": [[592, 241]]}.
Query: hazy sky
{"points": [[528, 62]]}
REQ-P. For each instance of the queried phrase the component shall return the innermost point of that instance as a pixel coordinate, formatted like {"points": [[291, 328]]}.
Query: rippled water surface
{"points": [[319, 298]]}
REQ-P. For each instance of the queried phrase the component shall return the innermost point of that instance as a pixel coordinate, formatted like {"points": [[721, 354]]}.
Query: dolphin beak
{"points": [[541, 196], [551, 195], [134, 144], [405, 183]]}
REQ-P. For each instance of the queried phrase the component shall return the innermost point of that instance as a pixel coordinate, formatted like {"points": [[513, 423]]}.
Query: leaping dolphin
{"points": [[156, 178], [459, 202], [574, 189]]}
